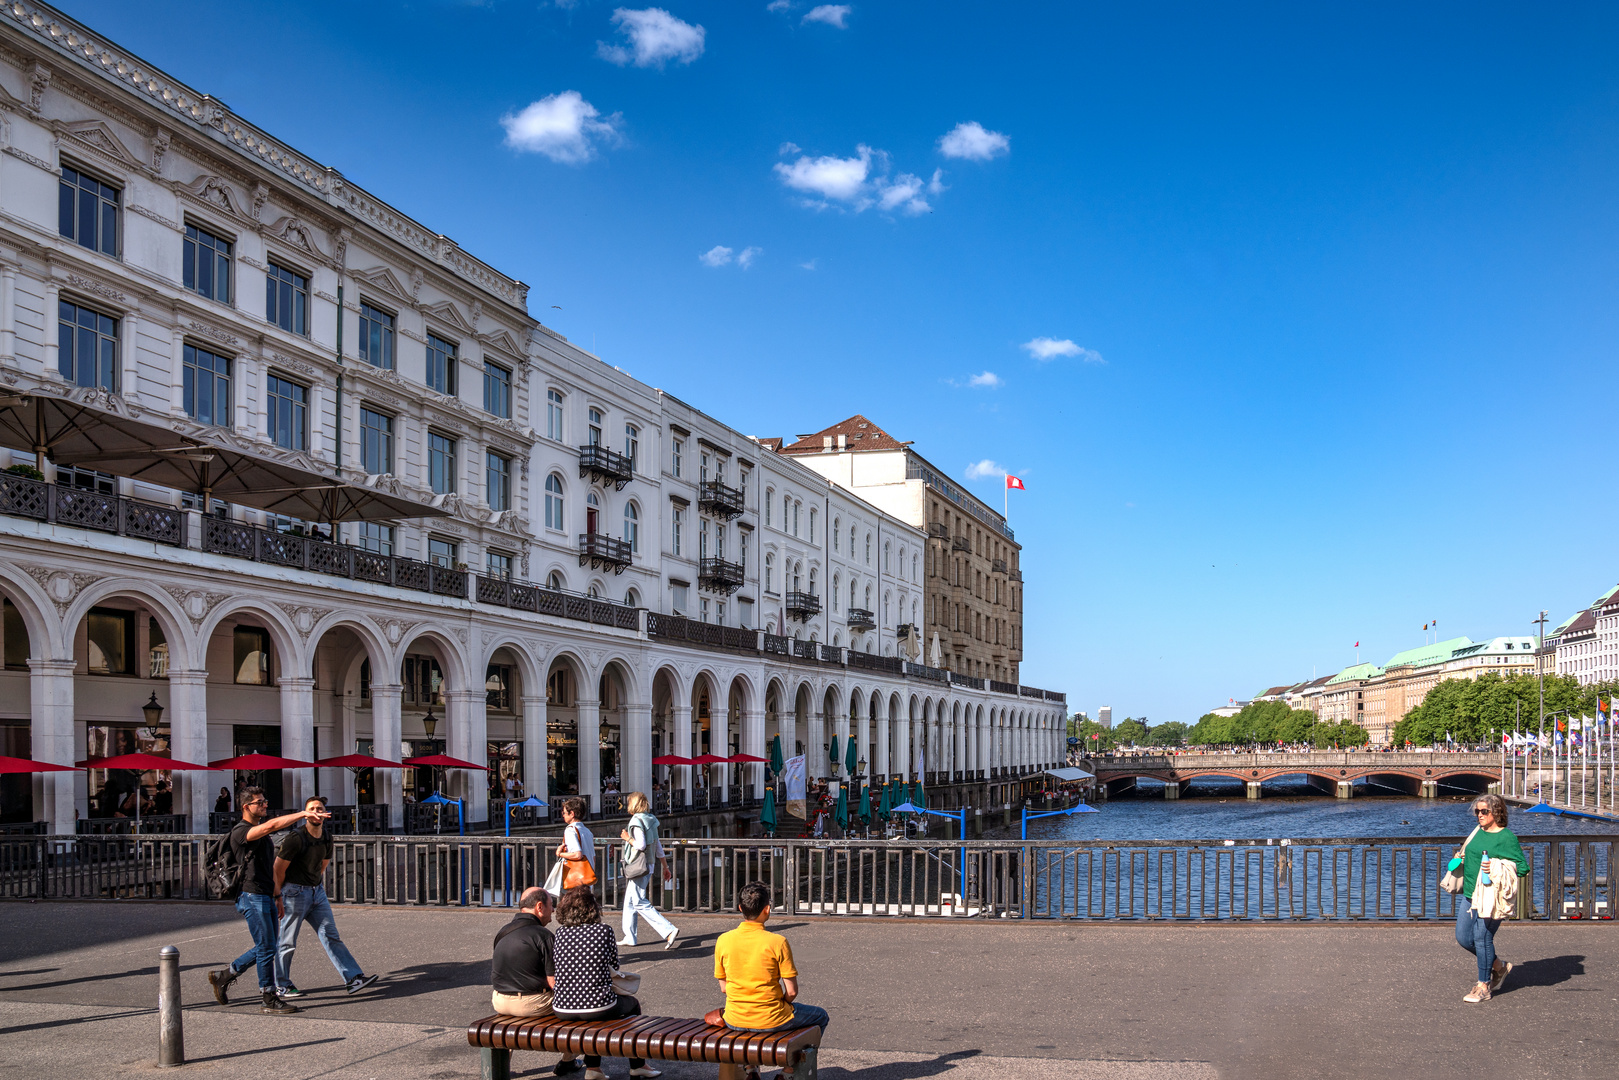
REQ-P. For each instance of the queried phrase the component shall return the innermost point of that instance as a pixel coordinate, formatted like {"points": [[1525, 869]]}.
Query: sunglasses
{"points": [[1481, 810]]}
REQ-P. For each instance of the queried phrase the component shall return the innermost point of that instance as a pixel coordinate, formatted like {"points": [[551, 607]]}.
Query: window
{"points": [[286, 299], [742, 551], [376, 337], [442, 552], [206, 386], [770, 573], [813, 590], [719, 612], [812, 525], [702, 467], [677, 457], [795, 517], [109, 641], [440, 462], [553, 502], [499, 564], [553, 414], [679, 526], [88, 212], [770, 502], [595, 427], [632, 445], [632, 528], [632, 598], [87, 346], [888, 550], [555, 582], [207, 264], [915, 569], [497, 390], [441, 365], [798, 571], [677, 598], [287, 413], [592, 513], [744, 613], [375, 538], [868, 549], [376, 442], [742, 483], [852, 586], [497, 683], [497, 479], [157, 651], [837, 527], [851, 541], [82, 479], [834, 594], [252, 651], [702, 538], [702, 612]]}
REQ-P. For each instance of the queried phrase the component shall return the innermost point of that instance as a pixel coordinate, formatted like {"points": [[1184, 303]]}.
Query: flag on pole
{"points": [[1013, 483]]}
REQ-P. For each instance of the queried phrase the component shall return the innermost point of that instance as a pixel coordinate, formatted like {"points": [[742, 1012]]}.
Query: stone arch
{"points": [[174, 619], [291, 656], [47, 639]]}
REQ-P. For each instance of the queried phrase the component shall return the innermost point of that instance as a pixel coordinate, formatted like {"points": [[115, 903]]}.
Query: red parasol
{"points": [[444, 761], [357, 761], [255, 762], [708, 759], [738, 759], [23, 765], [671, 759], [140, 762]]}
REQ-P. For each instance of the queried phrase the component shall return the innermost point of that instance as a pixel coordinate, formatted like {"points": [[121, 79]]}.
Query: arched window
{"points": [[798, 571], [632, 444], [837, 527], [868, 549], [593, 508], [632, 528], [553, 502], [915, 568], [888, 551], [770, 503], [770, 572], [594, 592], [812, 581], [812, 525], [851, 541], [868, 597], [915, 610], [795, 518], [886, 597], [852, 594], [554, 582], [837, 638], [836, 582], [632, 598]]}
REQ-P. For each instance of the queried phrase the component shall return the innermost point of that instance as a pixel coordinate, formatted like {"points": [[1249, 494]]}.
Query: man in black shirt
{"points": [[524, 971], [300, 875], [250, 845]]}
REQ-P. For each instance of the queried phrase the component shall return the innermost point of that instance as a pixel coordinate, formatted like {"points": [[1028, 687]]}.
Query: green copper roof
{"points": [[1359, 671], [1437, 653]]}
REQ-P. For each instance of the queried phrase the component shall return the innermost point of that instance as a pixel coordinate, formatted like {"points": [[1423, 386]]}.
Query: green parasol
{"points": [[865, 802], [778, 764], [884, 803], [918, 796], [840, 813], [767, 812], [852, 758], [832, 754]]}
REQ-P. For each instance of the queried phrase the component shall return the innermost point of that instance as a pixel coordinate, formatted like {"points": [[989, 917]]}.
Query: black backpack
{"points": [[223, 869]]}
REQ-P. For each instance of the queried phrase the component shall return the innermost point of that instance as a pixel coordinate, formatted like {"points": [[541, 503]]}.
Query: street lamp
{"points": [[154, 717], [429, 725]]}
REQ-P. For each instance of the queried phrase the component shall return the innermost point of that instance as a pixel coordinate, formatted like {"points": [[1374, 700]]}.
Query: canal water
{"points": [[1212, 810]]}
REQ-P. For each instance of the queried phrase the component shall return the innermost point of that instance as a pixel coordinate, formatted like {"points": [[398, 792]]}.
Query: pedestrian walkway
{"points": [[909, 999]]}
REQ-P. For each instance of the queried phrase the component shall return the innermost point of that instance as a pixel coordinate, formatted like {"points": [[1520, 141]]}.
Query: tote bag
{"points": [[577, 872], [1452, 881]]}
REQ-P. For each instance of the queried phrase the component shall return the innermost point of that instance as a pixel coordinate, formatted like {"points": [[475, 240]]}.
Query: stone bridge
{"points": [[1334, 771]]}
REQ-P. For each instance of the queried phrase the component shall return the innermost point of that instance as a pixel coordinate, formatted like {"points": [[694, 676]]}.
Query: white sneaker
{"points": [[625, 942], [669, 942], [645, 1070], [595, 1074]]}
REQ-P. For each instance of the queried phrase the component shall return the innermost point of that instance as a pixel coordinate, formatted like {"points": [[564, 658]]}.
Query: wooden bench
{"points": [[655, 1038]]}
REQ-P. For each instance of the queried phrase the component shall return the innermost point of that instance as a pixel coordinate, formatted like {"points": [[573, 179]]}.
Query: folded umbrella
{"points": [[852, 758], [865, 802], [767, 812], [840, 813], [777, 763], [832, 753]]}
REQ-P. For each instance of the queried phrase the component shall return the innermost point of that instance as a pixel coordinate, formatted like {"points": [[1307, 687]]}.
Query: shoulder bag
{"points": [[577, 872], [633, 860], [553, 880], [1452, 881]]}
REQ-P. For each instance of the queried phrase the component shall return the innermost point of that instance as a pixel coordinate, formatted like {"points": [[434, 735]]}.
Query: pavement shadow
{"points": [[260, 1050], [1546, 972], [417, 979], [100, 977], [903, 1070]]}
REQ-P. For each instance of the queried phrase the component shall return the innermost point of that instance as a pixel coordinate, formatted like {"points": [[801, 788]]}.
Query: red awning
{"points": [[23, 765], [357, 761], [742, 759], [444, 761], [141, 762], [671, 759], [256, 762], [708, 759]]}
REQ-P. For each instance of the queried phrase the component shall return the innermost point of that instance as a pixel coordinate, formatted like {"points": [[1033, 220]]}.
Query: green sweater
{"points": [[1497, 845]]}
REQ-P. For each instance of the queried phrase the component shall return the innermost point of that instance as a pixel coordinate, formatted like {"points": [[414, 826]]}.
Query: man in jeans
{"points": [[756, 973], [300, 870], [258, 902]]}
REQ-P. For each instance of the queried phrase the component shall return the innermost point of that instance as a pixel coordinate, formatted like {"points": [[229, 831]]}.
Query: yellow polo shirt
{"points": [[753, 961]]}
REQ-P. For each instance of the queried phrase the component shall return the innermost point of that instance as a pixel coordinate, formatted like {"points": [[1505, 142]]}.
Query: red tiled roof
{"points": [[861, 434], [772, 444]]}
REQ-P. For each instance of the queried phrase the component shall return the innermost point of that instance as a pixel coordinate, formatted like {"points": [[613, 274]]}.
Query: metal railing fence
{"points": [[1348, 880]]}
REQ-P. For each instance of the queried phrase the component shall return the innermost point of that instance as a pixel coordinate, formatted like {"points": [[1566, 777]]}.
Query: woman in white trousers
{"points": [[642, 835]]}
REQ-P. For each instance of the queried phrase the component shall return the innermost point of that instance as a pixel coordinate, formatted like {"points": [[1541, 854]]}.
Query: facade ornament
{"points": [[37, 83], [295, 365], [416, 279], [260, 193], [461, 632], [340, 249], [160, 148], [61, 586], [79, 281], [304, 617], [213, 332], [196, 603], [396, 629]]}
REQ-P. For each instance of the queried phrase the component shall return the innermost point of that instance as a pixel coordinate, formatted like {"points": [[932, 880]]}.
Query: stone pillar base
{"points": [[1430, 789], [1172, 790], [1346, 789], [1253, 789]]}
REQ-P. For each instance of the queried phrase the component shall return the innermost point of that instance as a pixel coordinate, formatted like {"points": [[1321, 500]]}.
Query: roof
{"points": [[773, 445], [1276, 691], [1352, 674], [1498, 646], [1583, 623], [860, 434], [1437, 653]]}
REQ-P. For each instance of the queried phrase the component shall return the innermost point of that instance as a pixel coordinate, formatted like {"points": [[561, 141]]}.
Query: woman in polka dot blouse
{"points": [[586, 956]]}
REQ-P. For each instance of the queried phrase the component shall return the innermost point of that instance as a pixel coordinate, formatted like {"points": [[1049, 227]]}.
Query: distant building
{"points": [[1104, 716], [1226, 710], [1586, 645]]}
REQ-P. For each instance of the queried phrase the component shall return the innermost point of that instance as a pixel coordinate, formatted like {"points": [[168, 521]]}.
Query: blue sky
{"points": [[1339, 285]]}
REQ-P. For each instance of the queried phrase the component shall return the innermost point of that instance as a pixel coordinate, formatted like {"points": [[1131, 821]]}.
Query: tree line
{"points": [[1480, 710], [1264, 723]]}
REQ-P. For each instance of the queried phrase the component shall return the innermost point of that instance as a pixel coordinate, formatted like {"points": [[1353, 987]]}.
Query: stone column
{"points": [[590, 758], [635, 748], [787, 728], [297, 738], [902, 747], [815, 746], [188, 725], [536, 760], [348, 793], [753, 742], [177, 355], [468, 717], [50, 701], [986, 750], [885, 725], [680, 777], [387, 704]]}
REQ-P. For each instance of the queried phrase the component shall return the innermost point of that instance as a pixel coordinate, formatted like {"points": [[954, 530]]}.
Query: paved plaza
{"points": [[908, 999]]}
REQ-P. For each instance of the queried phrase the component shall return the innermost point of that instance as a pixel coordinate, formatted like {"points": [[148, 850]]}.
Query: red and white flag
{"points": [[1014, 484]]}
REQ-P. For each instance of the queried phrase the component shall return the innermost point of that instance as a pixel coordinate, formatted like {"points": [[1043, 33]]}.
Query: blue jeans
{"points": [[259, 911], [300, 902], [803, 1016], [1477, 936]]}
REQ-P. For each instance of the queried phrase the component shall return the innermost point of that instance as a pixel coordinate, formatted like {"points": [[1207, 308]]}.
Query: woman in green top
{"points": [[1492, 840]]}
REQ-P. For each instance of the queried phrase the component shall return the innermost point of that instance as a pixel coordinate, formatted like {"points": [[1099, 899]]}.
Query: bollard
{"points": [[171, 1040]]}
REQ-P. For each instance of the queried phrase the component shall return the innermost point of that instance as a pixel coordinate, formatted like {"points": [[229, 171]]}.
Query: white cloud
{"points": [[902, 193], [808, 265], [749, 254], [718, 255], [983, 470], [656, 37], [936, 185], [788, 148], [778, 5], [832, 14], [564, 127], [986, 379], [1044, 348], [972, 142], [843, 179], [859, 182]]}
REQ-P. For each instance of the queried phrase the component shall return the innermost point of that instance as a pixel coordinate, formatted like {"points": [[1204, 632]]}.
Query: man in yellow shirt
{"points": [[756, 972]]}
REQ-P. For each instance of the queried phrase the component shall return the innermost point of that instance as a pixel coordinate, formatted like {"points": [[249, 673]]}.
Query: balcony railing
{"points": [[606, 465], [893, 665], [922, 671], [806, 650], [240, 541], [776, 645], [602, 551], [831, 654], [997, 566], [521, 596], [677, 628], [961, 543], [1016, 575], [1002, 687], [717, 575], [861, 619], [957, 679], [719, 498], [938, 530], [802, 605], [22, 497]]}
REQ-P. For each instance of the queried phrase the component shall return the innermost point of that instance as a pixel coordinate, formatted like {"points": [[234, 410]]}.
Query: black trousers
{"points": [[627, 1006]]}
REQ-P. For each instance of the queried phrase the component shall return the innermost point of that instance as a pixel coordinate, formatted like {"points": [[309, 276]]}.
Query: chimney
{"points": [[826, 444], [843, 442]]}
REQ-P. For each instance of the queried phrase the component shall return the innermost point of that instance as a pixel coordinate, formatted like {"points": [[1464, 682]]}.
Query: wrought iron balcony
{"points": [[997, 566], [861, 619], [802, 605], [608, 466], [1016, 575], [938, 530], [961, 543], [602, 551], [719, 499], [720, 576]]}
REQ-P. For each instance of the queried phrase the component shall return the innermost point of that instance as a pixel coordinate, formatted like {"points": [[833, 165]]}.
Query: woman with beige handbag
{"points": [[1491, 842]]}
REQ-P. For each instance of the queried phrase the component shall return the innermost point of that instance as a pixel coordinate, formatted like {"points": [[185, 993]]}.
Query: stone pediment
{"points": [[98, 136], [450, 315], [215, 191], [296, 233], [504, 342], [387, 281]]}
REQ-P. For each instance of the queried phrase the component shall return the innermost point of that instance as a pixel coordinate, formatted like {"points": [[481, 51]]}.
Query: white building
{"points": [[1587, 644], [213, 348]]}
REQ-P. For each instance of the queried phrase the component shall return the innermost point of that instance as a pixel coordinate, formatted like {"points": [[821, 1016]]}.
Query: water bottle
{"points": [[1484, 871]]}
